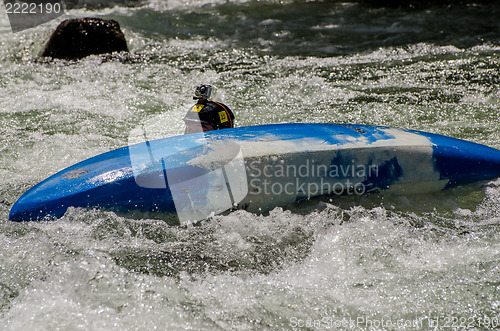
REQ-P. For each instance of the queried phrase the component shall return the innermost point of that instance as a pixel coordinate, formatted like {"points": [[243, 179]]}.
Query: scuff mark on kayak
{"points": [[75, 173]]}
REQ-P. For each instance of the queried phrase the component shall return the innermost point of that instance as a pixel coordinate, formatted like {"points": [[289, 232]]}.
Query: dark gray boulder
{"points": [[75, 39]]}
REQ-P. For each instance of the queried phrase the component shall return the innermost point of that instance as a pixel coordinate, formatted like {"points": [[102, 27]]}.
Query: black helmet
{"points": [[216, 114], [210, 112]]}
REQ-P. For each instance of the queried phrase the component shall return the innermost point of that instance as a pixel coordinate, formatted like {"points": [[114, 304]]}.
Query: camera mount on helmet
{"points": [[202, 92]]}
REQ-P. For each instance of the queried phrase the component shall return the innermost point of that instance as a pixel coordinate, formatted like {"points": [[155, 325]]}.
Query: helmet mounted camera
{"points": [[202, 92]]}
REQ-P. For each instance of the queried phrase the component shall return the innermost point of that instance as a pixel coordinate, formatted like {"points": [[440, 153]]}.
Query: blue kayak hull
{"points": [[187, 178]]}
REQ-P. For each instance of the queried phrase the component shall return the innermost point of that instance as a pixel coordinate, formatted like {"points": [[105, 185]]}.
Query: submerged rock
{"points": [[75, 39]]}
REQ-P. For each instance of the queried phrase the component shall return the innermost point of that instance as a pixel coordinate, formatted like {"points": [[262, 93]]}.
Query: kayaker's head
{"points": [[207, 115]]}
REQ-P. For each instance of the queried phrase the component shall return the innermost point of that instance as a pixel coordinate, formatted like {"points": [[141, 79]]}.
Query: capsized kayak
{"points": [[187, 178]]}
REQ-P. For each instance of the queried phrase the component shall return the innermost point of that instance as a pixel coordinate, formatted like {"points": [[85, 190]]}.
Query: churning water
{"points": [[385, 262]]}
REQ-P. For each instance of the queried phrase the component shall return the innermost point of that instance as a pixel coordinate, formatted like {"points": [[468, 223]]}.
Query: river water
{"points": [[385, 262]]}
